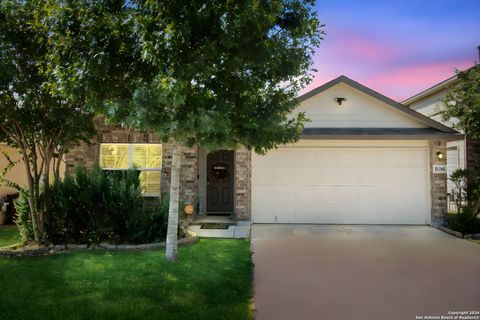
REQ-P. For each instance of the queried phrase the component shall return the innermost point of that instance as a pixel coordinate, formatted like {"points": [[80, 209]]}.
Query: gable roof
{"points": [[390, 102]]}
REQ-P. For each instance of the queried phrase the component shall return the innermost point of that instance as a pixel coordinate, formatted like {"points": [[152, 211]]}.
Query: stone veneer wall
{"points": [[438, 184], [89, 155], [473, 153], [242, 184]]}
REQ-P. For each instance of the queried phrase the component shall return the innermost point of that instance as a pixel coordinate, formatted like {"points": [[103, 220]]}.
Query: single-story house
{"points": [[462, 153], [362, 159]]}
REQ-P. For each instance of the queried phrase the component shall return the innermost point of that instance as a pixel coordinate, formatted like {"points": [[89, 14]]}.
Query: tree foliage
{"points": [[463, 102], [466, 195], [205, 73], [215, 74], [38, 122]]}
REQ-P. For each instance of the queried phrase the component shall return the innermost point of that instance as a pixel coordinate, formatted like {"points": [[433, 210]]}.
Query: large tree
{"points": [[33, 120], [462, 103], [214, 74]]}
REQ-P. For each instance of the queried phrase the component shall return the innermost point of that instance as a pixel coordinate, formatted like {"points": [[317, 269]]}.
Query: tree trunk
{"points": [[31, 192], [172, 230]]}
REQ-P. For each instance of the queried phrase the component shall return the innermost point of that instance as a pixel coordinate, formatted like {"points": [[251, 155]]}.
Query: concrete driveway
{"points": [[362, 272]]}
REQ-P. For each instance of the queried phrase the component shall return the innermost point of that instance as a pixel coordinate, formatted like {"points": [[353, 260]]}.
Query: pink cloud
{"points": [[361, 46], [400, 84]]}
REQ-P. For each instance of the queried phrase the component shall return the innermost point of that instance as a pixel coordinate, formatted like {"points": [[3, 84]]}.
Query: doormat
{"points": [[215, 226]]}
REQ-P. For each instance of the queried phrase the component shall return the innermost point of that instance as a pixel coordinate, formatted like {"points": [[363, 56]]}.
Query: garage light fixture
{"points": [[440, 155], [340, 100]]}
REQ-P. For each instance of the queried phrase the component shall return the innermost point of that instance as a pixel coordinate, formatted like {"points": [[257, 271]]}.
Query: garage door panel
{"points": [[347, 195], [306, 158], [326, 195], [369, 195], [264, 175], [414, 214], [412, 159], [305, 176], [273, 195], [284, 158], [326, 158], [341, 185], [306, 195], [412, 175], [327, 177], [348, 176], [283, 177], [274, 214]]}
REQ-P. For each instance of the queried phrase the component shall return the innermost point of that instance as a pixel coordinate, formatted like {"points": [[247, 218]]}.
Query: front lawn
{"points": [[9, 235], [211, 280]]}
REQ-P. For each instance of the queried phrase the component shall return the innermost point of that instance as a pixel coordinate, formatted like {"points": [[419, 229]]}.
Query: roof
{"points": [[390, 102], [379, 133]]}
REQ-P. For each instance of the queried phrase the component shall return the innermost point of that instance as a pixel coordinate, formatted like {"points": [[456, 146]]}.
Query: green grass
{"points": [[211, 280], [9, 235]]}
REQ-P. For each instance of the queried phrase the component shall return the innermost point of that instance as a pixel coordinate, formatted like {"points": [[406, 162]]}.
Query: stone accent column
{"points": [[438, 183], [242, 184]]}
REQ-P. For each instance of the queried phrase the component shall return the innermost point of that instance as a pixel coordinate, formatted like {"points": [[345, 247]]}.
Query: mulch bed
{"points": [[37, 251]]}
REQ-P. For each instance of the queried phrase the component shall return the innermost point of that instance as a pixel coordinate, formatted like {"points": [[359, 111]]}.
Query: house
{"points": [[16, 174], [462, 153], [362, 159]]}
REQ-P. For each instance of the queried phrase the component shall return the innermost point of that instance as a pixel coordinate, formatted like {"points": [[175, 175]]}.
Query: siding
{"points": [[359, 111]]}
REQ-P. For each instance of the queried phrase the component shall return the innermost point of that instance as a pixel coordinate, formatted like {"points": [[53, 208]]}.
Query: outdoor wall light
{"points": [[440, 155], [340, 100]]}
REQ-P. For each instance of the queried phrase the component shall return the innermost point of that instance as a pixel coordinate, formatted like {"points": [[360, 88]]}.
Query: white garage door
{"points": [[341, 186]]}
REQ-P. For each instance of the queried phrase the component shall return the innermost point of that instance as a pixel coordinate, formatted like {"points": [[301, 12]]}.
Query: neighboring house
{"points": [[462, 153], [363, 159], [17, 172]]}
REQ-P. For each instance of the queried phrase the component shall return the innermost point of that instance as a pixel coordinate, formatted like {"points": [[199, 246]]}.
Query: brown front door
{"points": [[220, 175]]}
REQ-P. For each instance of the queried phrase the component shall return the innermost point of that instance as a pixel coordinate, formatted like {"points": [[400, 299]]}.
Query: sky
{"points": [[398, 48]]}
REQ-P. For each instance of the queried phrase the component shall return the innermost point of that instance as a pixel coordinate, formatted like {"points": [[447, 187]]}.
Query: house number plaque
{"points": [[439, 169]]}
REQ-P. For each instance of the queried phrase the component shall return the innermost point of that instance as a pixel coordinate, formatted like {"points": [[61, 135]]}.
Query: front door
{"points": [[220, 175]]}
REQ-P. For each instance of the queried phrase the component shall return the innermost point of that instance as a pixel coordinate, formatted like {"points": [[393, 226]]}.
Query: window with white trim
{"points": [[144, 157]]}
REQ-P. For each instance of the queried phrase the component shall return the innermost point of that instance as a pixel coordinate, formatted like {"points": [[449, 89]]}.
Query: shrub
{"points": [[466, 195], [96, 205], [22, 217], [151, 223]]}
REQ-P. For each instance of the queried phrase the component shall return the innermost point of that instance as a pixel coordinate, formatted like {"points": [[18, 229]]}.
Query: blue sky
{"points": [[398, 48]]}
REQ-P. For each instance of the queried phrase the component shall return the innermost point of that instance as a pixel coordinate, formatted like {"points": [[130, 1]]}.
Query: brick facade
{"points": [[188, 173], [89, 156], [242, 184], [473, 153], [438, 184]]}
